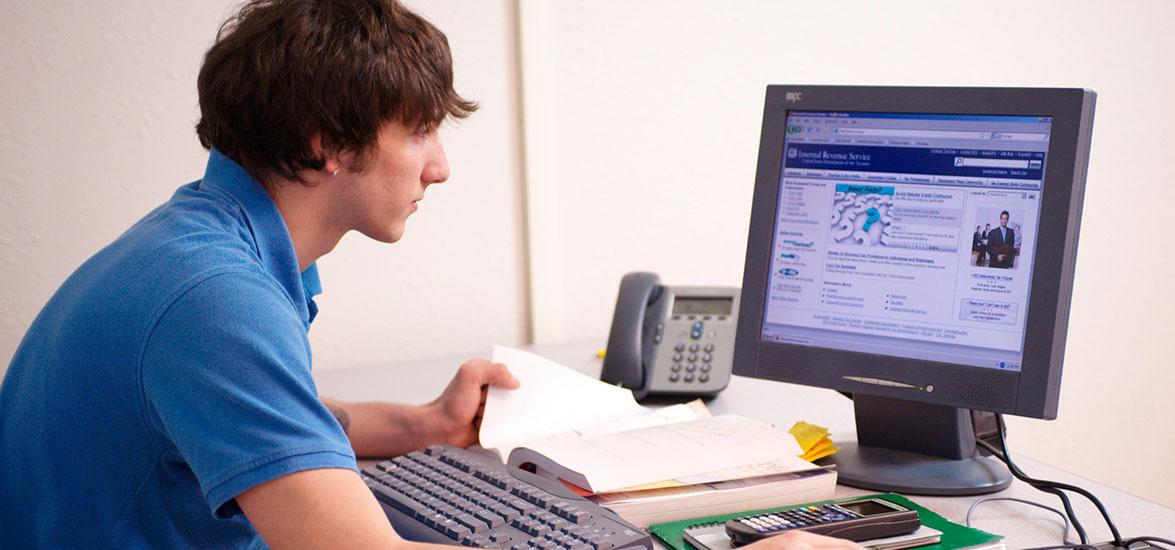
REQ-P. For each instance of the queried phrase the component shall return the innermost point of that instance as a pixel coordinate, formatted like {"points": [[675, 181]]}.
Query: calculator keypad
{"points": [[796, 517]]}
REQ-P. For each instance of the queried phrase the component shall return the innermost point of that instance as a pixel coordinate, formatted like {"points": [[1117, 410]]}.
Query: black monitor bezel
{"points": [[1034, 390]]}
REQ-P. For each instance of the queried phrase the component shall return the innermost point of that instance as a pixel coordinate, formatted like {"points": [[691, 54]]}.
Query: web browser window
{"points": [[908, 235]]}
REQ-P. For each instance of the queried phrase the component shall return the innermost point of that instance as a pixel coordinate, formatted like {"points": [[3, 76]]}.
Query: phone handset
{"points": [[626, 362]]}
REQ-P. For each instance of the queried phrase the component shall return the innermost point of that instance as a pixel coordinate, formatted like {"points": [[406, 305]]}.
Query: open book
{"points": [[571, 427]]}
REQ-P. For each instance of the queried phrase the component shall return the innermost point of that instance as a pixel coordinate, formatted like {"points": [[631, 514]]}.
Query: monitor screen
{"points": [[907, 235], [914, 247]]}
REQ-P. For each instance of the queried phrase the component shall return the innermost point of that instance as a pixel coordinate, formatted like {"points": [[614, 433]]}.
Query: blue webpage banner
{"points": [[912, 160]]}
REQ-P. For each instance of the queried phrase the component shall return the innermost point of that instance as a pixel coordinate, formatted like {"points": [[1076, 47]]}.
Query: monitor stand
{"points": [[915, 448]]}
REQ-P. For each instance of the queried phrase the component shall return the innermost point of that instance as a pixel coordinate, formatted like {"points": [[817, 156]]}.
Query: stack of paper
{"points": [[813, 440], [645, 464]]}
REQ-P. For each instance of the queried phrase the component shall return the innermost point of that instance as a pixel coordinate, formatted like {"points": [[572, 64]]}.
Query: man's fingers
{"points": [[484, 373], [502, 377], [801, 539]]}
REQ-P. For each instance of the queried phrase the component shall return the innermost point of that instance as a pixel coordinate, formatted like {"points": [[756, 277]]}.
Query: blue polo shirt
{"points": [[170, 373]]}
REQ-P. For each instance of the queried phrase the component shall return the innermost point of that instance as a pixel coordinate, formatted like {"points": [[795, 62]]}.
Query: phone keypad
{"points": [[696, 366], [691, 346]]}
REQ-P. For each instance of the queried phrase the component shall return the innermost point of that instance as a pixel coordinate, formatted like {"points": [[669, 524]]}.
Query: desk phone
{"points": [[671, 341]]}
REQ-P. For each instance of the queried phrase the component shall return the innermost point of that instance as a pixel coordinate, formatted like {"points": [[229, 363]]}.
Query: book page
{"points": [[620, 460], [775, 466], [554, 402]]}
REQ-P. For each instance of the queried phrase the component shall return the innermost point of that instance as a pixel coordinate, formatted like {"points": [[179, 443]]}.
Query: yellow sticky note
{"points": [[822, 449], [808, 435], [817, 454], [813, 440]]}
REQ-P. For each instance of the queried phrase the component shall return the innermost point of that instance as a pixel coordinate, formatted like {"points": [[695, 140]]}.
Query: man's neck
{"points": [[308, 219]]}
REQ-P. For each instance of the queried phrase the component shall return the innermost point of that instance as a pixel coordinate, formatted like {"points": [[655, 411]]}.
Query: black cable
{"points": [[1016, 471], [1065, 546], [1064, 533], [1065, 486], [1081, 535], [1133, 540]]}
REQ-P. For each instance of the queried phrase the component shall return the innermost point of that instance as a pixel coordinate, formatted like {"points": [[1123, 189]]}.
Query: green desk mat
{"points": [[953, 535]]}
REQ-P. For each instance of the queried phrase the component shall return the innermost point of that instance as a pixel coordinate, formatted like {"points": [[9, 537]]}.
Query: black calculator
{"points": [[857, 520]]}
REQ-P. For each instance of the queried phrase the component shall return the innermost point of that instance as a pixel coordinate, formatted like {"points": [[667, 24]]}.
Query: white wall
{"points": [[642, 126], [97, 112], [641, 130], [457, 281]]}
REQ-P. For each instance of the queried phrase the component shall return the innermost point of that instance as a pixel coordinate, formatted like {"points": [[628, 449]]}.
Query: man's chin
{"points": [[385, 235]]}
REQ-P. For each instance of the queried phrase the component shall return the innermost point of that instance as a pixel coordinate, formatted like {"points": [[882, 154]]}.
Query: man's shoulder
{"points": [[183, 242], [188, 236]]}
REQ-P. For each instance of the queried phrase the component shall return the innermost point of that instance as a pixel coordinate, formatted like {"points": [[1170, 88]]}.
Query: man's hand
{"points": [[381, 430], [461, 405], [800, 540]]}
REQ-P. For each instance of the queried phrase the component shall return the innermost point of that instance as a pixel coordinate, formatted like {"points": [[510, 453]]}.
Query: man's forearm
{"points": [[378, 430]]}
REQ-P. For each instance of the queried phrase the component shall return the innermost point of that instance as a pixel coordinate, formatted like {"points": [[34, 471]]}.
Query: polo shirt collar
{"points": [[271, 237]]}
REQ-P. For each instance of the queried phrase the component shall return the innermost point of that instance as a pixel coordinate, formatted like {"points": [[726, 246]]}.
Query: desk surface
{"points": [[1023, 526]]}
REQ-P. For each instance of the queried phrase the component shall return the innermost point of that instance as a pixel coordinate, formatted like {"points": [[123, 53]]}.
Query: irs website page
{"points": [[907, 235]]}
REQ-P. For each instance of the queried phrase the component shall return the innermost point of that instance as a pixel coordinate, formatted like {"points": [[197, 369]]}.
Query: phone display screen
{"points": [[702, 305]]}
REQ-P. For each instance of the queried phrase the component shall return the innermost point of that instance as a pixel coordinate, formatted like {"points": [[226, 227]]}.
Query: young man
{"points": [[1002, 241], [163, 397]]}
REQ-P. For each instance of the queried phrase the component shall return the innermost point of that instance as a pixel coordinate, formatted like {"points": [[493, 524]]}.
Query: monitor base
{"points": [[881, 469]]}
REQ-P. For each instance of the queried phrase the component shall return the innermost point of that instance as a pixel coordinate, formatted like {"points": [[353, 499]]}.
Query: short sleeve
{"points": [[226, 377]]}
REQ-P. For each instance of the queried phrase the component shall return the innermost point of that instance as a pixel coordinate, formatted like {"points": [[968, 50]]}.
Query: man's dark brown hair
{"points": [[282, 71]]}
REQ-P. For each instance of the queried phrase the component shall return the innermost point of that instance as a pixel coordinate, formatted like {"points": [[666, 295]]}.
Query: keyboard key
{"points": [[508, 515], [471, 522], [522, 506], [395, 499], [491, 519]]}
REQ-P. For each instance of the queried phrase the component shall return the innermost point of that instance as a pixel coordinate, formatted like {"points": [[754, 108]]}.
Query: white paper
{"points": [[625, 459], [770, 467], [551, 400]]}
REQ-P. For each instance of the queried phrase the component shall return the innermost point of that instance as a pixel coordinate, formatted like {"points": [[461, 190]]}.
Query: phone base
{"points": [[881, 469]]}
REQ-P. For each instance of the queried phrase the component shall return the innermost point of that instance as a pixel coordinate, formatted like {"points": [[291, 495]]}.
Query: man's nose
{"points": [[437, 168]]}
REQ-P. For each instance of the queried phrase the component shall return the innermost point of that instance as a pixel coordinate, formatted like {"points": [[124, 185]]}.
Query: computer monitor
{"points": [[915, 247]]}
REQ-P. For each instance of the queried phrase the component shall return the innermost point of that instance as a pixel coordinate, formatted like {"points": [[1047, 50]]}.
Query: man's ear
{"points": [[332, 164]]}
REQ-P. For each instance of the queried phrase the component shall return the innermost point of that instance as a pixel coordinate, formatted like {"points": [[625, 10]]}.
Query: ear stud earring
{"points": [[335, 173]]}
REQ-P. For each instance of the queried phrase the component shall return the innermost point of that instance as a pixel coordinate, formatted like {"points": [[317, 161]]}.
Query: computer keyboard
{"points": [[454, 496]]}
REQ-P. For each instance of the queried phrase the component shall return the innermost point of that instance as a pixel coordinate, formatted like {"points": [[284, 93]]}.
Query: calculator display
{"points": [[866, 508]]}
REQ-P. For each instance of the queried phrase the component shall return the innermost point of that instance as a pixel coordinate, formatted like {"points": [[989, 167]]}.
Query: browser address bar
{"points": [[884, 132]]}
